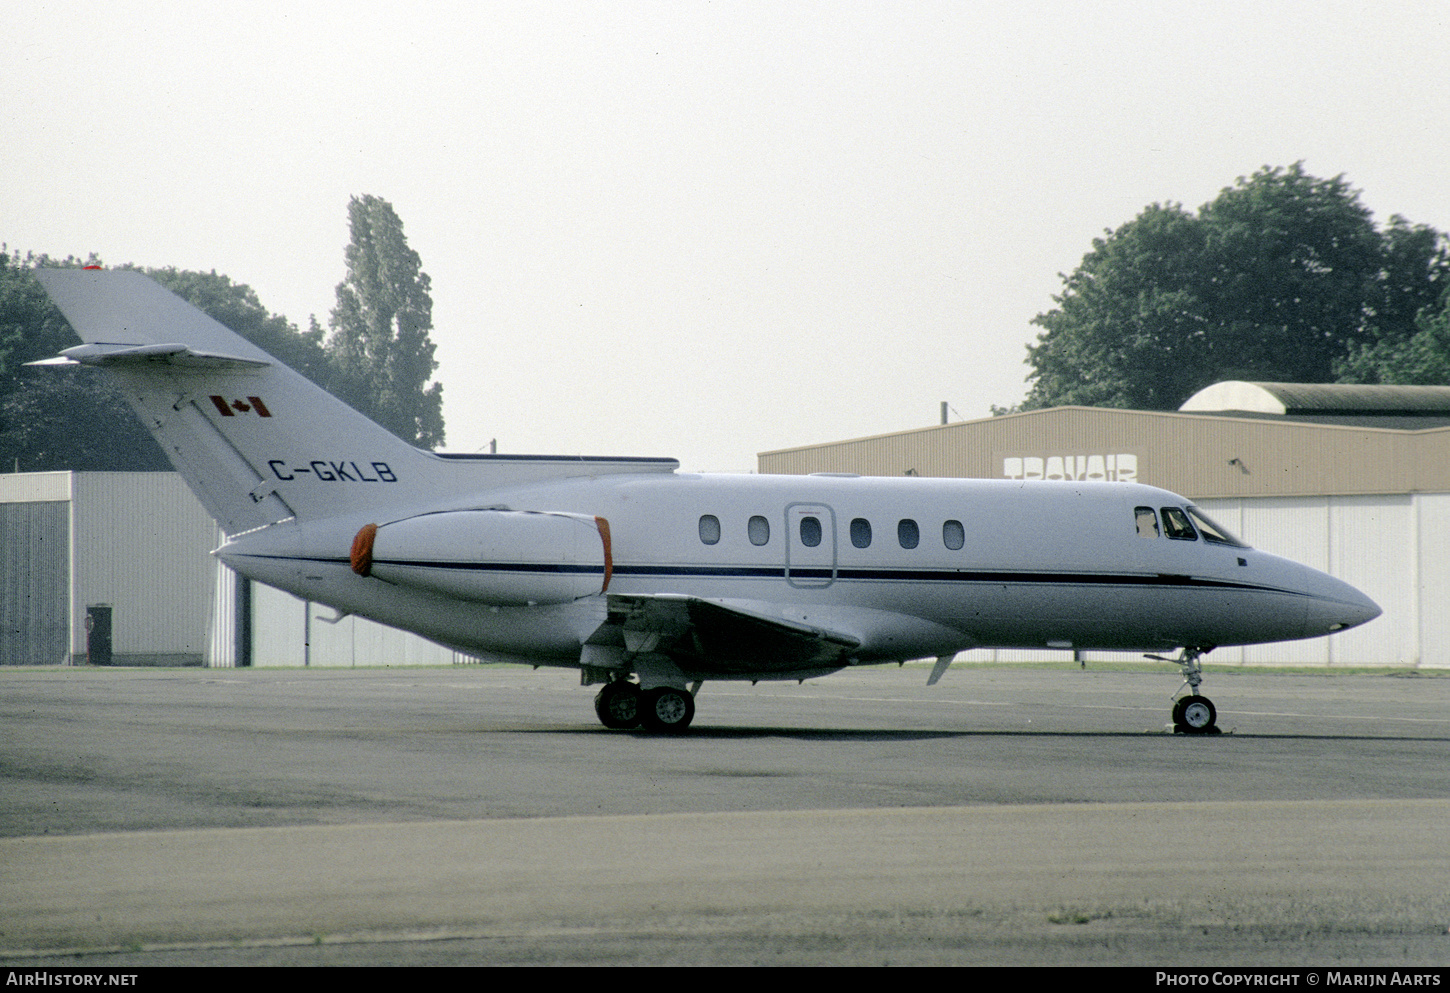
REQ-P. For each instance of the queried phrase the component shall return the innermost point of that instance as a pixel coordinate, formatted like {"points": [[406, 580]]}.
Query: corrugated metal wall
{"points": [[221, 639], [1432, 526], [143, 544], [288, 632], [34, 582], [34, 568], [1200, 455]]}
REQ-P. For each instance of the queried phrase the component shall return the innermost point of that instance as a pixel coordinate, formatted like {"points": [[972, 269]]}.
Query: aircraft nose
{"points": [[1339, 608]]}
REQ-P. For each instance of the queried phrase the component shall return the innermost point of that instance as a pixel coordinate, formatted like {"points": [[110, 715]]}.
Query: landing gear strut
{"points": [[1192, 714]]}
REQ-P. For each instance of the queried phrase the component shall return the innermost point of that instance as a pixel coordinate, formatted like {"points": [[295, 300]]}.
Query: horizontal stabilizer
{"points": [[113, 354]]}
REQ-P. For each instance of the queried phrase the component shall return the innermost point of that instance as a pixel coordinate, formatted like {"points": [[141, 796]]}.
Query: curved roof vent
{"points": [[1321, 399]]}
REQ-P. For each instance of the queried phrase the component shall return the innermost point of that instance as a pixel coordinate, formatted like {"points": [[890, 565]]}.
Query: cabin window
{"points": [[908, 533], [1175, 525], [810, 531], [709, 529], [758, 528], [953, 535], [1212, 530], [861, 532], [1147, 519]]}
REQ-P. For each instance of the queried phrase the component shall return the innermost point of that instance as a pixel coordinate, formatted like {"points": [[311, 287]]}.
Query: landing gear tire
{"points": [[666, 709], [1194, 715], [618, 705]]}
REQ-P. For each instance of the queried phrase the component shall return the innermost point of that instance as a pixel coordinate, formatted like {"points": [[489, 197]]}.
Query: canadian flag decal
{"points": [[231, 408]]}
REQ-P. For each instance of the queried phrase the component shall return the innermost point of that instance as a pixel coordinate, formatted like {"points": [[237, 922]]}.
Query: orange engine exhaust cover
{"points": [[362, 550]]}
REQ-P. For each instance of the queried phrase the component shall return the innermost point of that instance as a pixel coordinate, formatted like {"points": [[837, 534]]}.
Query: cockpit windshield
{"points": [[1211, 530]]}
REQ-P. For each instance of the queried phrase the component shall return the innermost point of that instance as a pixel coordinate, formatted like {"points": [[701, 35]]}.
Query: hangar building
{"points": [[1352, 480], [131, 551]]}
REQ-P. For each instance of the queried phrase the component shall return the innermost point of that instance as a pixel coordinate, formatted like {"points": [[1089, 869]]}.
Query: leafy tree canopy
{"points": [[380, 328], [1421, 359], [1283, 277]]}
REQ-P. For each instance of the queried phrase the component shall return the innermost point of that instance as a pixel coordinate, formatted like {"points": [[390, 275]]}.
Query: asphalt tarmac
{"points": [[480, 815]]}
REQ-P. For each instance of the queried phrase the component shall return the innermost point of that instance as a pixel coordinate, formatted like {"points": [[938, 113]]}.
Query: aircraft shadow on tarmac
{"points": [[878, 734]]}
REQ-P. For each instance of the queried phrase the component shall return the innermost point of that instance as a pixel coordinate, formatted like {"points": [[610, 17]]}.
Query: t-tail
{"points": [[257, 442], [237, 424]]}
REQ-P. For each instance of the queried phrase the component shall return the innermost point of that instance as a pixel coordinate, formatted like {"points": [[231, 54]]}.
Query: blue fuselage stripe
{"points": [[965, 576]]}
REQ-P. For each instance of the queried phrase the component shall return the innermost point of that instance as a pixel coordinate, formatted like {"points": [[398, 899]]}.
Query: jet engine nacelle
{"points": [[500, 557]]}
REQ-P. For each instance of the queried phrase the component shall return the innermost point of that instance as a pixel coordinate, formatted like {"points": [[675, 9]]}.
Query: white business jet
{"points": [[651, 581]]}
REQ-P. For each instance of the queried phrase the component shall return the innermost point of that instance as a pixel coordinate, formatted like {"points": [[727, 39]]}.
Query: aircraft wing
{"points": [[711, 636]]}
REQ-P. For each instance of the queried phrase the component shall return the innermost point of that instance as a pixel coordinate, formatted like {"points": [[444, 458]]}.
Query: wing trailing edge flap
{"points": [[706, 636]]}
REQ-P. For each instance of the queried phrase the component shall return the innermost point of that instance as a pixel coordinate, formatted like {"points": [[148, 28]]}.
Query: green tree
{"points": [[1409, 342], [73, 418], [380, 327], [1128, 331], [1421, 359], [1282, 277]]}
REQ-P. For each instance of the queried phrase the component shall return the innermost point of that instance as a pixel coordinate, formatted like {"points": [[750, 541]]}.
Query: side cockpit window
{"points": [[1176, 524], [1147, 519], [1212, 531]]}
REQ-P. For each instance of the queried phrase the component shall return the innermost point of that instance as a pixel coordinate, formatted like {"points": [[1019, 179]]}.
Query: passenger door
{"points": [[810, 545]]}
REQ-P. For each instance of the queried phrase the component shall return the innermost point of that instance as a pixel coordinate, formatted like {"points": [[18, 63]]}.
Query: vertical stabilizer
{"points": [[256, 441]]}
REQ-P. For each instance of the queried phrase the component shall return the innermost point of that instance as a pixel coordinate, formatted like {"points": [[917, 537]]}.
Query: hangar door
{"points": [[34, 583]]}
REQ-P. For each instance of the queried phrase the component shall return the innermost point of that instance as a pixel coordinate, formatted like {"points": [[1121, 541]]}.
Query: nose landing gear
{"points": [[1192, 714]]}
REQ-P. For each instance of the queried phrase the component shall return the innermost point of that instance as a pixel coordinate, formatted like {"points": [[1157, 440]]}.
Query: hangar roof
{"points": [[1366, 405], [1199, 454]]}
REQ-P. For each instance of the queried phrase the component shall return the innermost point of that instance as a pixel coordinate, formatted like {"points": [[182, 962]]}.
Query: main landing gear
{"points": [[622, 705], [1192, 714]]}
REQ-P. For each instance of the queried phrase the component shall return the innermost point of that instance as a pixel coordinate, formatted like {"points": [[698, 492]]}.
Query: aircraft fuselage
{"points": [[908, 567]]}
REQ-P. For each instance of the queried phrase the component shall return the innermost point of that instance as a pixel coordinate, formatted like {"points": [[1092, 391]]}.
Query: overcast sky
{"points": [[702, 230]]}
